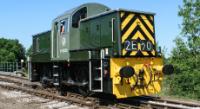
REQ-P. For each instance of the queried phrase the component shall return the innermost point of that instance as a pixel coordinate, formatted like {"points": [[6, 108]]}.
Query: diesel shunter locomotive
{"points": [[96, 49]]}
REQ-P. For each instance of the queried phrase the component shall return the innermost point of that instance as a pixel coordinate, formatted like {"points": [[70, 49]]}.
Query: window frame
{"points": [[78, 21], [65, 25]]}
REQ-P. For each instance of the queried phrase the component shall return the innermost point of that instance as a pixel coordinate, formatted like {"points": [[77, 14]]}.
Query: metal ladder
{"points": [[56, 75], [96, 73]]}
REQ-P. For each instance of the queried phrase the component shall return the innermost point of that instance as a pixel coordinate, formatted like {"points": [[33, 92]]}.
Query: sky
{"points": [[20, 19]]}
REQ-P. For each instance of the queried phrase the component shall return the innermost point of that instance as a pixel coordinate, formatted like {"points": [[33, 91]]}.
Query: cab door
{"points": [[63, 48], [60, 39]]}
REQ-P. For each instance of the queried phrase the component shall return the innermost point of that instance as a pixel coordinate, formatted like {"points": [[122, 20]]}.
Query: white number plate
{"points": [[133, 45]]}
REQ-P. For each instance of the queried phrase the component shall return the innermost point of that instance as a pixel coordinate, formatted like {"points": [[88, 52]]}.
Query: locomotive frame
{"points": [[98, 49]]}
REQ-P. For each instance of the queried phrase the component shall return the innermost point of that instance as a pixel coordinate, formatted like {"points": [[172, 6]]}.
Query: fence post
{"points": [[29, 68], [22, 62], [6, 66], [12, 66], [3, 67], [16, 66]]}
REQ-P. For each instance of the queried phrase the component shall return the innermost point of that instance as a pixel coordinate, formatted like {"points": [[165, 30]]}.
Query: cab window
{"points": [[64, 26], [80, 14]]}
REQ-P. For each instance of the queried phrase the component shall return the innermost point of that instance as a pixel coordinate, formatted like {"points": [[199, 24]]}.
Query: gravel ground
{"points": [[20, 100]]}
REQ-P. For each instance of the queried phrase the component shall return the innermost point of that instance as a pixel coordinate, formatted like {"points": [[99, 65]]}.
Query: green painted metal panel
{"points": [[79, 56], [41, 47], [96, 33]]}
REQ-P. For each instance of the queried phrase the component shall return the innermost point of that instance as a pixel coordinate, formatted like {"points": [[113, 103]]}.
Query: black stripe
{"points": [[149, 52], [132, 33], [139, 53], [144, 35], [128, 25], [151, 21], [128, 53], [146, 26], [124, 17]]}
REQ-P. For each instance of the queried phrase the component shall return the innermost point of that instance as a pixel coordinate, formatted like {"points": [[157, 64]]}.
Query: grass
{"points": [[167, 92]]}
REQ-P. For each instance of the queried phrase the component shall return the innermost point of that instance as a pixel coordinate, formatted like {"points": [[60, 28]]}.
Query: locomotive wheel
{"points": [[44, 83], [82, 77]]}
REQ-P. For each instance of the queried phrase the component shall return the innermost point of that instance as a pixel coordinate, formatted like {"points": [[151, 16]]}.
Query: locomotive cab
{"points": [[65, 35]]}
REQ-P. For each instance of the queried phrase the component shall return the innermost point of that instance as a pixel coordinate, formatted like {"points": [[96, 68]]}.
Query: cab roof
{"points": [[117, 10], [73, 10]]}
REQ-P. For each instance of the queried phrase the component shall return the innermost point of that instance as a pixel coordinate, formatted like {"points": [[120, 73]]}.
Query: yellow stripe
{"points": [[145, 53], [151, 17], [138, 35], [153, 52], [128, 32], [124, 52], [145, 31], [122, 14], [126, 21], [147, 22], [139, 46], [133, 53]]}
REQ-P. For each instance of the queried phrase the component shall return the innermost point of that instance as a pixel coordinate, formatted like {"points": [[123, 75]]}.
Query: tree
{"points": [[11, 50], [191, 30], [186, 55], [191, 26], [29, 51]]}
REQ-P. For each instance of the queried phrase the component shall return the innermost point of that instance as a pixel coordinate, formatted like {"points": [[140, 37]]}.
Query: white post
{"points": [[16, 66], [22, 61], [29, 68]]}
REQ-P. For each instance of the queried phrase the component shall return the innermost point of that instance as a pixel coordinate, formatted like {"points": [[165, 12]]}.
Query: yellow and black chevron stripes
{"points": [[135, 26]]}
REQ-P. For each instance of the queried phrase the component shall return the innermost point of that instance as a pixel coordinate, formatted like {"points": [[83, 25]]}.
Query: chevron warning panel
{"points": [[137, 34]]}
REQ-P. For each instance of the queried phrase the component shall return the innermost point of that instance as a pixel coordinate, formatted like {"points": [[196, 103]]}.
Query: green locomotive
{"points": [[97, 49]]}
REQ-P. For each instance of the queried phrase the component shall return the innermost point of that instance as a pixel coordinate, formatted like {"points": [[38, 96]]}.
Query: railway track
{"points": [[159, 102], [22, 84]]}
